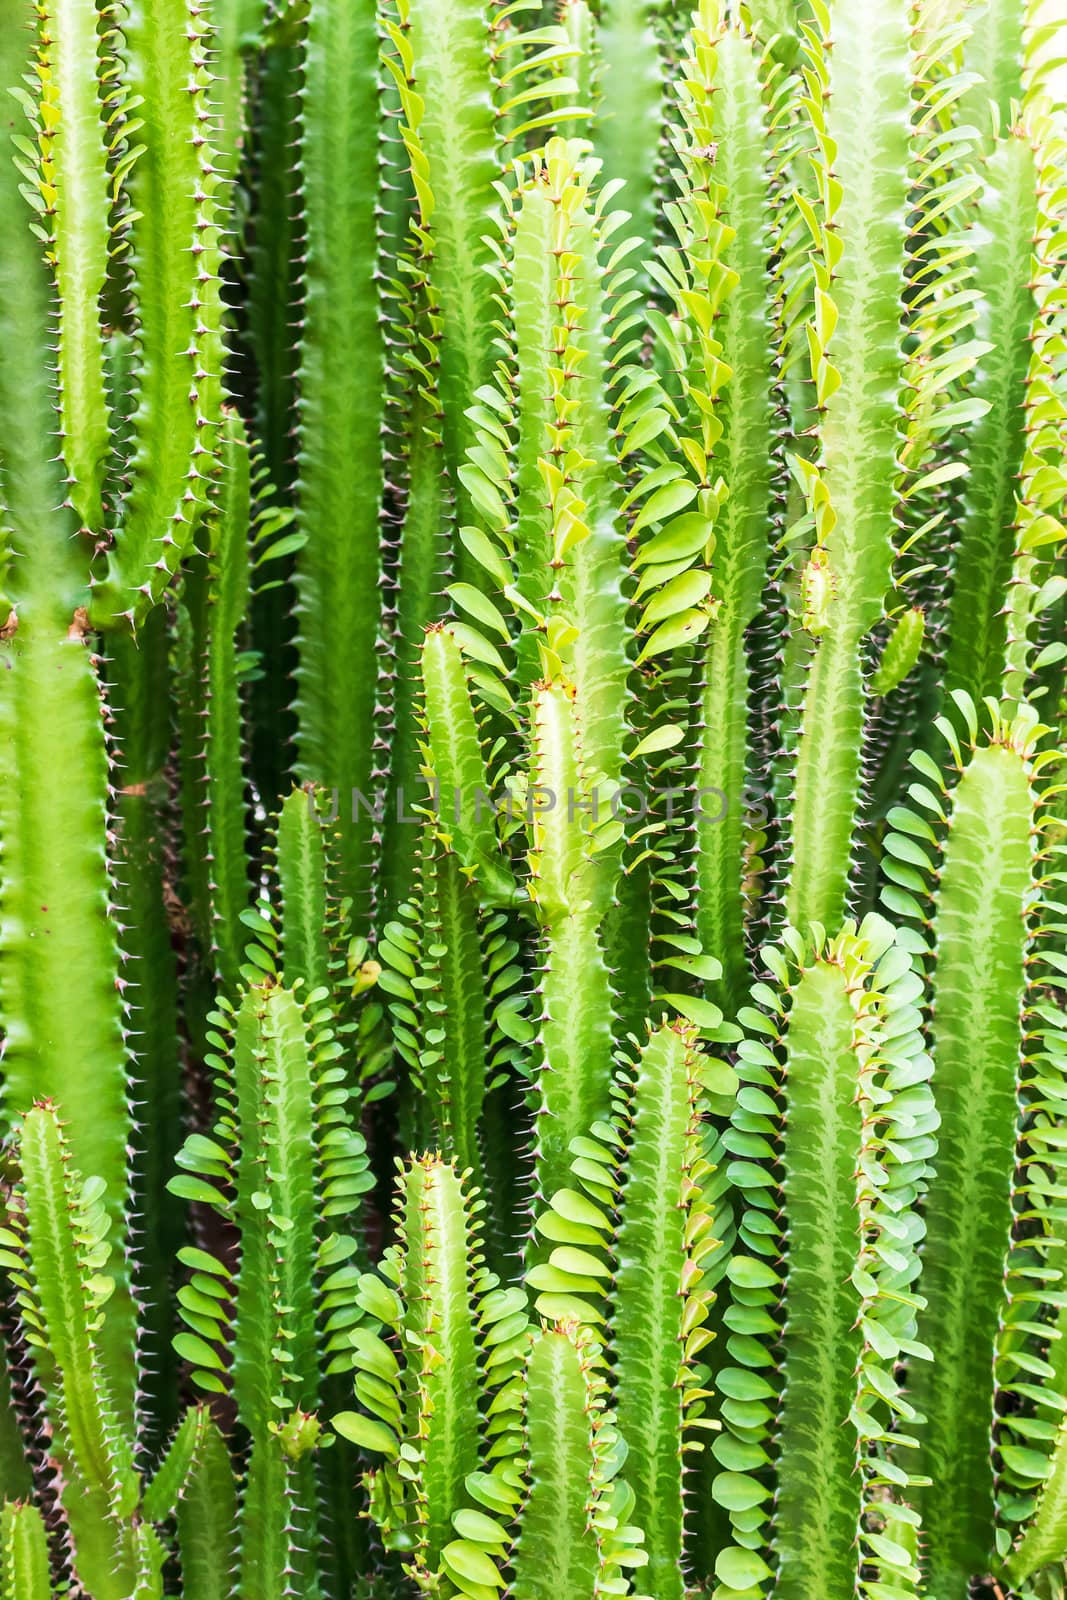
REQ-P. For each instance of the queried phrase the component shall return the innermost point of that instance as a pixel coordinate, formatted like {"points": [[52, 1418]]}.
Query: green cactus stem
{"points": [[56, 1252], [645, 1273], [170, 189], [850, 486], [75, 190], [631, 73], [568, 1538], [340, 381], [722, 222], [24, 1565], [831, 1139], [60, 1002], [422, 1390], [139, 682], [983, 954], [283, 1161], [1007, 218]]}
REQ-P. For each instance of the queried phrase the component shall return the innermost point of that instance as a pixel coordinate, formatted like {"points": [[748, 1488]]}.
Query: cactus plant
{"points": [[532, 712]]}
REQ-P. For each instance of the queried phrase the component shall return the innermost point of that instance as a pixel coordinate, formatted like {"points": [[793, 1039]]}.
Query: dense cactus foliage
{"points": [[533, 587]]}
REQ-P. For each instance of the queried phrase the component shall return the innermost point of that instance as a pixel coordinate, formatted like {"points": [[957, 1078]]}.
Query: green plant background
{"points": [[533, 589]]}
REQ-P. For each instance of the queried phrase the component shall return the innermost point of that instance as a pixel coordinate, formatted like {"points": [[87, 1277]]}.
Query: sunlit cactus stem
{"points": [[340, 409]]}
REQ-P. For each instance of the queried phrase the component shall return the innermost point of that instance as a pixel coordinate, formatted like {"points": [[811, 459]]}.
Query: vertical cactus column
{"points": [[237, 26], [439, 62], [77, 201], [60, 1004], [140, 731], [575, 1040], [1007, 215], [422, 1387], [994, 54], [720, 281], [823, 1295], [56, 1249], [442, 59], [546, 454], [274, 273], [448, 960], [995, 1051], [102, 1517], [340, 411], [549, 460], [859, 279], [173, 229], [859, 254], [464, 83], [24, 1571], [1039, 1542], [643, 1267], [58, 1014], [631, 73], [892, 176], [213, 606], [206, 1517], [570, 1455], [1034, 654], [283, 1163]]}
